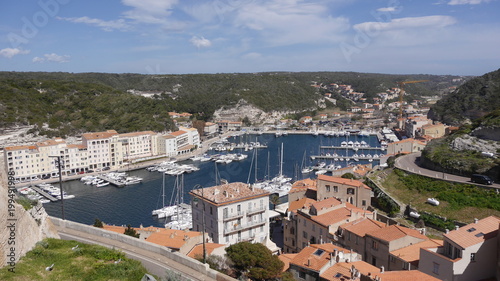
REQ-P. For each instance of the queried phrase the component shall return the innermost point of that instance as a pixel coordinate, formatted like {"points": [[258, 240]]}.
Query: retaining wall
{"points": [[151, 247]]}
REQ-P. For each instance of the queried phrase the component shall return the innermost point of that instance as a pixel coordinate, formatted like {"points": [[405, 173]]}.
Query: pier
{"points": [[44, 194], [352, 147], [341, 158]]}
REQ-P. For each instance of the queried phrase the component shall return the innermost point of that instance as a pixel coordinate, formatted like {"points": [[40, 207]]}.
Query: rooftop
{"points": [[342, 271], [227, 193], [412, 253], [99, 135], [395, 232], [315, 256], [339, 180], [475, 233], [363, 225]]}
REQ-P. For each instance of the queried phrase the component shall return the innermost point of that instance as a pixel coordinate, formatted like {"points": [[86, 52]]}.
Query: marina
{"points": [[133, 204]]}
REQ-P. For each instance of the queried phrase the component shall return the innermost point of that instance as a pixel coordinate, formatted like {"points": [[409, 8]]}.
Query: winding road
{"points": [[410, 163]]}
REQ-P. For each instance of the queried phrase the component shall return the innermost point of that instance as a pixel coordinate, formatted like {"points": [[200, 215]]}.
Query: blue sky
{"points": [[459, 37]]}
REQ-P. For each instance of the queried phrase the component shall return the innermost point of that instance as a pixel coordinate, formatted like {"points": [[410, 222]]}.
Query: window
{"points": [[374, 245], [335, 188], [302, 274], [435, 268], [327, 188], [304, 234], [392, 259], [350, 191], [472, 257], [363, 203]]}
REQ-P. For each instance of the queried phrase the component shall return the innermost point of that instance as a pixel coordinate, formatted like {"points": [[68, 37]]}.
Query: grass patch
{"points": [[87, 262], [462, 202]]}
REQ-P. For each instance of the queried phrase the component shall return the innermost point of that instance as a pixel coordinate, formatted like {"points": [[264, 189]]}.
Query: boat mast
{"points": [[163, 191], [281, 161]]}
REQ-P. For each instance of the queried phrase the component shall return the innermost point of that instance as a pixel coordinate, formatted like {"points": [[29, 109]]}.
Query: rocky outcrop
{"points": [[20, 229], [467, 142], [243, 109], [487, 133]]}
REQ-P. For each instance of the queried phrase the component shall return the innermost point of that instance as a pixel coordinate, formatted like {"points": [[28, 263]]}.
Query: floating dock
{"points": [[114, 182], [44, 194]]}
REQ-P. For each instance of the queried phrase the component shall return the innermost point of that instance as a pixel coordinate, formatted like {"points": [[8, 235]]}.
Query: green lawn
{"points": [[87, 262], [460, 202]]}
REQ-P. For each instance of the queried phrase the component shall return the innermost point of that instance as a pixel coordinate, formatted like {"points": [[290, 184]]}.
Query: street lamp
{"points": [[202, 221], [58, 164]]}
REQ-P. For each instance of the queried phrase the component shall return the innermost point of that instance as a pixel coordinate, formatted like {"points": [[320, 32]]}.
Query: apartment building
{"points": [[468, 253], [405, 146], [167, 145], [314, 260], [317, 222], [352, 234], [433, 130], [380, 243], [232, 213], [414, 123], [137, 144], [346, 190], [102, 149]]}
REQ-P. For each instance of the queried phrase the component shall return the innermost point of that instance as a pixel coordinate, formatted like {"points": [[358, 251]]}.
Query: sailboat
{"points": [[305, 169]]}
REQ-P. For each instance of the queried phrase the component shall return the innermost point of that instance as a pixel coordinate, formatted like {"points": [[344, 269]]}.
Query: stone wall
{"points": [[20, 230]]}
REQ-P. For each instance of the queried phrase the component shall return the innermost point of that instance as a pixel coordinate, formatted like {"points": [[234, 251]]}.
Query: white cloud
{"points": [[153, 12], [289, 22], [10, 52], [467, 2], [104, 25], [200, 42], [387, 9], [406, 23], [52, 58]]}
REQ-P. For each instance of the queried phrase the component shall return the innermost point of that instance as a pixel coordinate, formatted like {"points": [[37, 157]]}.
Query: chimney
{"points": [[475, 220], [456, 227], [382, 269], [446, 231], [308, 262]]}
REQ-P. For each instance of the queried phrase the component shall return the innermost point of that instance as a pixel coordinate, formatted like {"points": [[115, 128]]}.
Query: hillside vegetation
{"points": [[73, 103], [474, 99]]}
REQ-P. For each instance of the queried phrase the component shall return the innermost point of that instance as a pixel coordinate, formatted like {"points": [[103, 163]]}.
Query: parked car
{"points": [[106, 168], [477, 178]]}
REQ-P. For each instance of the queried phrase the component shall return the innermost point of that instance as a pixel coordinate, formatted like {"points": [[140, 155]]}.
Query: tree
{"points": [[131, 232], [98, 223], [348, 176], [255, 261], [275, 200]]}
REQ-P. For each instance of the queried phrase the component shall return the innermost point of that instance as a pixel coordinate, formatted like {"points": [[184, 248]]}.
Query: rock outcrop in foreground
{"points": [[20, 229]]}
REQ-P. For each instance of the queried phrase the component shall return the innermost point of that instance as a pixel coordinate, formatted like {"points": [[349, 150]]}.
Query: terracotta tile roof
{"points": [[209, 124], [55, 141], [171, 238], [178, 133], [412, 253], [79, 146], [475, 233], [326, 204], [299, 204], [337, 215], [307, 183], [20, 147], [315, 256], [286, 258], [114, 228], [363, 225], [229, 193], [197, 250], [406, 275], [342, 271], [99, 135], [409, 140], [395, 232], [339, 180], [135, 134]]}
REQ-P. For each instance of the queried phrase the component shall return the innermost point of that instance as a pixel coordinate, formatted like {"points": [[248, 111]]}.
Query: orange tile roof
{"points": [[99, 135], [178, 133], [55, 141], [114, 228], [229, 193], [395, 232], [20, 147], [349, 182], [406, 275], [171, 238], [470, 234], [299, 204], [307, 258], [327, 203], [412, 253], [363, 225], [337, 215], [197, 250], [134, 134], [342, 271], [286, 258]]}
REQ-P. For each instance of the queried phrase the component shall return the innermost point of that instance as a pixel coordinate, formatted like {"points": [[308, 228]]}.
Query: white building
{"points": [[100, 151], [234, 212]]}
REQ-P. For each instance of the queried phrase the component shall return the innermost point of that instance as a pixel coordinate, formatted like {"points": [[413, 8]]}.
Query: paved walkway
{"points": [[411, 163], [153, 262]]}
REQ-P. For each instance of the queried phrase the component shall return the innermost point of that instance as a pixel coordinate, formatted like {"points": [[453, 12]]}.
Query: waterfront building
{"points": [[102, 149], [232, 213], [346, 190], [137, 145], [405, 146]]}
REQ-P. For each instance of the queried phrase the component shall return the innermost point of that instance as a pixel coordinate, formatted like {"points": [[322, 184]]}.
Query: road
{"points": [[410, 163], [154, 263]]}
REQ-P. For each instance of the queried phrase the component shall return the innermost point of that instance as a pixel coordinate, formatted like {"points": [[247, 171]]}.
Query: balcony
{"points": [[228, 217], [238, 227], [256, 210]]}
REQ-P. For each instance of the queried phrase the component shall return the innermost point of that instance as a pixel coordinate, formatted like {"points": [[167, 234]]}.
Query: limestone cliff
{"points": [[20, 229]]}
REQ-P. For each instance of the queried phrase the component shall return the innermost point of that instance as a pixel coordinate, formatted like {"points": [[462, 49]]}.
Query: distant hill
{"points": [[475, 98], [71, 103]]}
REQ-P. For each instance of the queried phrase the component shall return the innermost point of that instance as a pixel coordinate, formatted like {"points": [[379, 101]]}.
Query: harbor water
{"points": [[133, 204]]}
